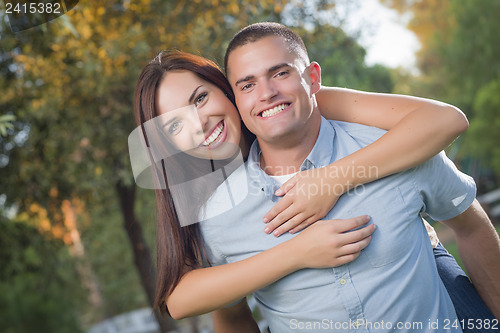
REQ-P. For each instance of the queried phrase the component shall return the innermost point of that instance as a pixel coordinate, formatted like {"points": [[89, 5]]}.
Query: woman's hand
{"points": [[308, 197], [331, 243], [327, 243]]}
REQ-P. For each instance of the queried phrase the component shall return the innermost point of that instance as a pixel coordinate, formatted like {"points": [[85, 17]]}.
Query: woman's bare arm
{"points": [[326, 244], [418, 129]]}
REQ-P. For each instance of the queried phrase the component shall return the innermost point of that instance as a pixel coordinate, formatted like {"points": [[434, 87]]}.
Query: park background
{"points": [[76, 235]]}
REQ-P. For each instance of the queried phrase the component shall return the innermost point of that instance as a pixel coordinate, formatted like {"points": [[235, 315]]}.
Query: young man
{"points": [[393, 285]]}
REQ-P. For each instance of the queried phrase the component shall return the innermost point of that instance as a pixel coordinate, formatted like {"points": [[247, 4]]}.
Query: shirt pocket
{"points": [[396, 228]]}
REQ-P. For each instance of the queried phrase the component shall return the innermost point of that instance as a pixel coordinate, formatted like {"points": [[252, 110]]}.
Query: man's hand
{"points": [[479, 247], [236, 318], [308, 197]]}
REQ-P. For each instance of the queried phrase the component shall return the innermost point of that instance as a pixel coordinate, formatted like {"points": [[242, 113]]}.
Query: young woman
{"points": [[174, 83]]}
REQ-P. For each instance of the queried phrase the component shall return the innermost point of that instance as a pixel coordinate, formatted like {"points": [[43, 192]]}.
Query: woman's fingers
{"points": [[287, 186], [291, 223], [331, 243], [304, 224], [357, 235], [345, 225], [276, 213], [356, 247]]}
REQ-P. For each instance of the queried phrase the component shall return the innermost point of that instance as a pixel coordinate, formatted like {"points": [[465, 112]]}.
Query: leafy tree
{"points": [[38, 282], [71, 86], [75, 76], [459, 63], [342, 60], [483, 132], [5, 123]]}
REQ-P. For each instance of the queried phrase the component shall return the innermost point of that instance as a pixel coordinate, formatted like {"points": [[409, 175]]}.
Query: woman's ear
{"points": [[315, 74]]}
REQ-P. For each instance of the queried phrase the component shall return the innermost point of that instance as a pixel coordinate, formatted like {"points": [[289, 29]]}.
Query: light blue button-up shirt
{"points": [[393, 286]]}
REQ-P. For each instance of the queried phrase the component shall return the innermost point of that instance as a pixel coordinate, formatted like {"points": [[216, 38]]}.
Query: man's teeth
{"points": [[273, 111], [215, 134]]}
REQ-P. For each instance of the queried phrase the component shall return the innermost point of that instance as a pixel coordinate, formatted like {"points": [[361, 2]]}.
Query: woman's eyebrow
{"points": [[191, 98]]}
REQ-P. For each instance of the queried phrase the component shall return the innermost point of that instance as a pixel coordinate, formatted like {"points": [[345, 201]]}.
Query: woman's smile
{"points": [[216, 136]]}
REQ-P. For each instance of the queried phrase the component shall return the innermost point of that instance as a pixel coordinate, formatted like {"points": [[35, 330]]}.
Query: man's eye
{"points": [[282, 73], [201, 97], [247, 86], [174, 127]]}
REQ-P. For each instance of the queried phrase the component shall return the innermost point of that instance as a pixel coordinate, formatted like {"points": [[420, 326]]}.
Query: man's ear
{"points": [[315, 74]]}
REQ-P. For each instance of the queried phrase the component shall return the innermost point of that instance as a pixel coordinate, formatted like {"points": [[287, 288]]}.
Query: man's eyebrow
{"points": [[276, 67], [270, 70], [191, 98], [245, 79]]}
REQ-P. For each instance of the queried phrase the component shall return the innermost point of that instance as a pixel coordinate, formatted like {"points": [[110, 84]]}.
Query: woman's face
{"points": [[197, 117]]}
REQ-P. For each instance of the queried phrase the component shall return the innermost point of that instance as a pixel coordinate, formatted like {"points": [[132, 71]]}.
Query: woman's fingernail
{"points": [[265, 220], [267, 230], [278, 192], [276, 233]]}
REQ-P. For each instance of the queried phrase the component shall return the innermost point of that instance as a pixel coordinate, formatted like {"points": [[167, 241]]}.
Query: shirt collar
{"points": [[320, 156], [322, 152]]}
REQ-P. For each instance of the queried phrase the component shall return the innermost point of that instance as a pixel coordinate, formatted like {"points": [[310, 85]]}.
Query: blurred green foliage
{"points": [[458, 63], [70, 84], [39, 286], [342, 60]]}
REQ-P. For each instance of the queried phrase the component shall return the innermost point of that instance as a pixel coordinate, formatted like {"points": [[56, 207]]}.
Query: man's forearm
{"points": [[237, 318], [479, 248]]}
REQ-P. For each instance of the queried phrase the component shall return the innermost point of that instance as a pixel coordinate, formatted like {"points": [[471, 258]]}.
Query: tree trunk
{"points": [[142, 254]]}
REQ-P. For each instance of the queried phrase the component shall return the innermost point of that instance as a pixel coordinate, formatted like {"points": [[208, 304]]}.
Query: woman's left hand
{"points": [[308, 197]]}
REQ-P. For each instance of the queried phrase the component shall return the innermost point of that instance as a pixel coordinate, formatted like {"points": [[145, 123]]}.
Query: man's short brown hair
{"points": [[257, 31]]}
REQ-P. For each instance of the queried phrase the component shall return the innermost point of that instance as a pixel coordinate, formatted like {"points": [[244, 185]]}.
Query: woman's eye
{"points": [[174, 127], [198, 100]]}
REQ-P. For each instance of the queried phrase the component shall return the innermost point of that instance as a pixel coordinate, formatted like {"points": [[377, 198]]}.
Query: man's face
{"points": [[273, 88]]}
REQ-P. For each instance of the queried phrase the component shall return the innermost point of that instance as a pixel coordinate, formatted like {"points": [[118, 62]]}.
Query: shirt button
{"points": [[342, 281], [358, 323]]}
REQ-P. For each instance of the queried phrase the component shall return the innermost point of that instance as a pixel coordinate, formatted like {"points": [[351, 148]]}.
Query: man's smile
{"points": [[274, 111]]}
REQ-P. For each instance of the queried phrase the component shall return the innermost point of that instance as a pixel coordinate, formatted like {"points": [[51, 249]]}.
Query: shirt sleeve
{"points": [[446, 191], [212, 255]]}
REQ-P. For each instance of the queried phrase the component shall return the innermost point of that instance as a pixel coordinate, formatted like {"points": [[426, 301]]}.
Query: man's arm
{"points": [[479, 248], [236, 318]]}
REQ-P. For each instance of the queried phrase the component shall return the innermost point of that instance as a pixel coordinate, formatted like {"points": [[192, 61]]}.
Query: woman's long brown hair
{"points": [[178, 247]]}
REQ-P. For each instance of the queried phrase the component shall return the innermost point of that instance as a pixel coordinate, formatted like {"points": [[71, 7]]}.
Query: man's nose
{"points": [[267, 90]]}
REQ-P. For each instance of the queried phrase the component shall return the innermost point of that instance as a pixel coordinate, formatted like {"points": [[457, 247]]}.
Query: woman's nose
{"points": [[204, 115], [203, 118]]}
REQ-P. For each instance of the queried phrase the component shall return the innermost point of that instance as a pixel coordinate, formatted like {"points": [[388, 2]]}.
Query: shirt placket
{"points": [[350, 299]]}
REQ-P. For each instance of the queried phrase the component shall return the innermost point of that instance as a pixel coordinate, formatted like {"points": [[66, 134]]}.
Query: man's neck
{"points": [[286, 155]]}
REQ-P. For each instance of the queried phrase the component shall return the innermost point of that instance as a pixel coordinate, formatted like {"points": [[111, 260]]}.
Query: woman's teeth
{"points": [[274, 111], [215, 134]]}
